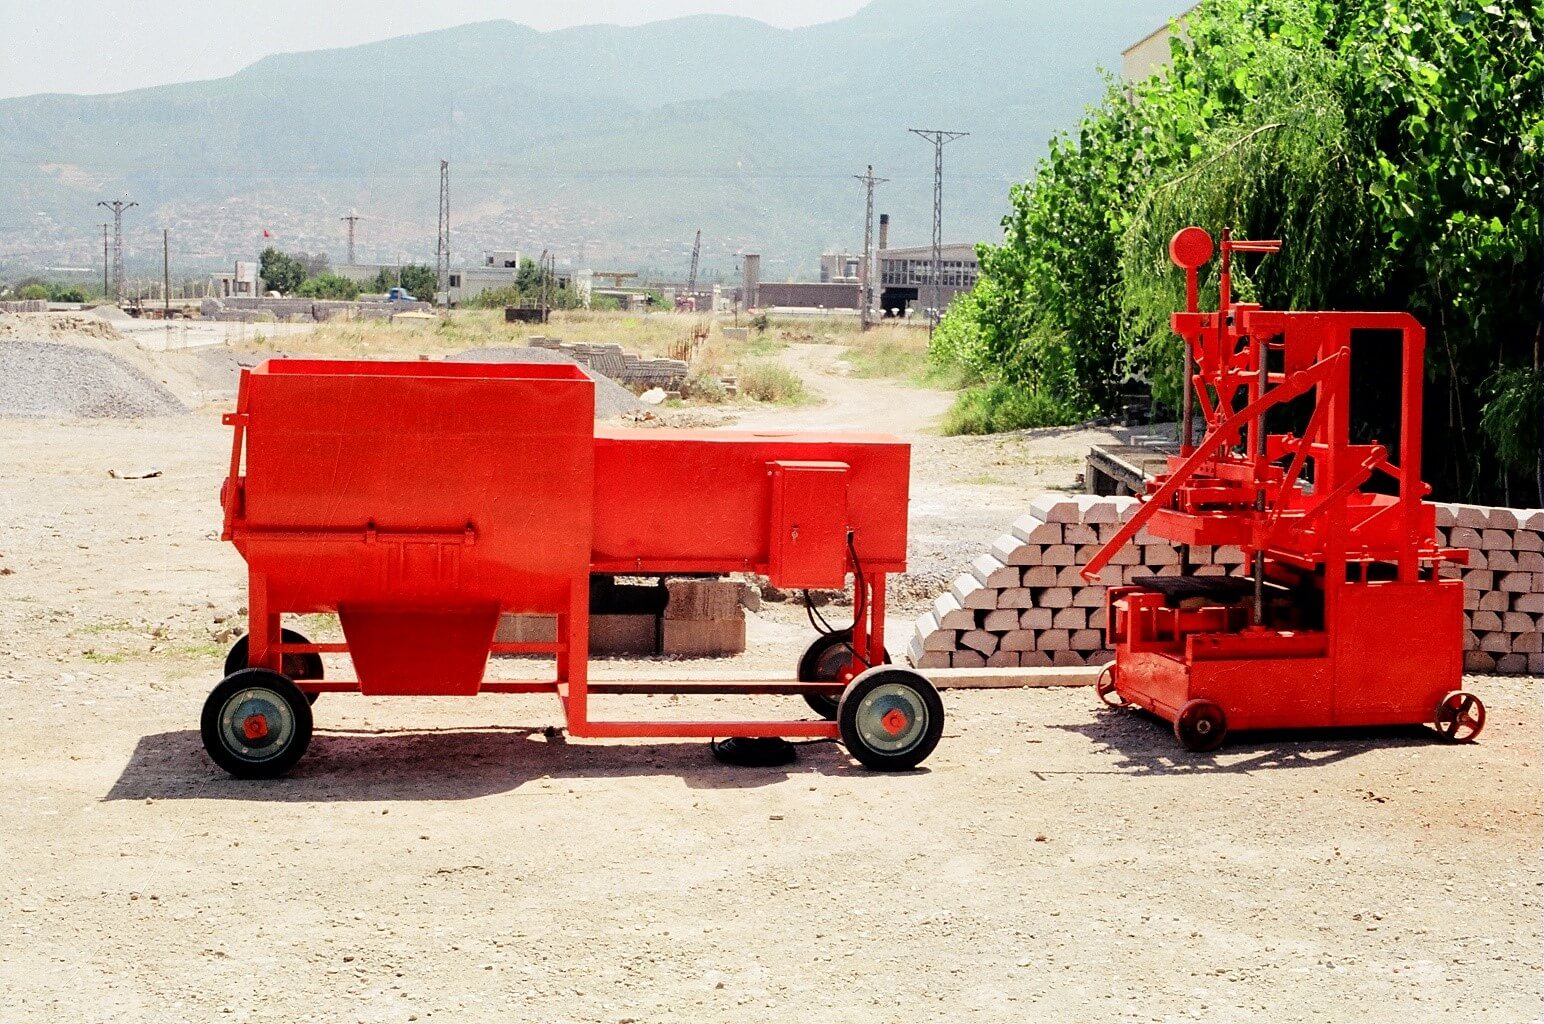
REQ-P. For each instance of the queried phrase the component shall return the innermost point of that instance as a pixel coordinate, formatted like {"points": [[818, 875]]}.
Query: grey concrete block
{"points": [[1033, 529], [979, 640], [970, 593], [1001, 620], [994, 573], [1055, 508]]}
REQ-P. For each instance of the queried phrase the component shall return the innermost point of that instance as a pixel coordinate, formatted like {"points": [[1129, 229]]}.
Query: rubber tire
{"points": [[238, 767], [296, 666], [809, 671], [1193, 739], [880, 760]]}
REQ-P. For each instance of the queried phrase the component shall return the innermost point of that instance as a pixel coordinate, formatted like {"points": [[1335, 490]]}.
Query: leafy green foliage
{"points": [[418, 280], [33, 292], [1397, 149], [994, 408], [328, 286], [280, 271], [530, 277]]}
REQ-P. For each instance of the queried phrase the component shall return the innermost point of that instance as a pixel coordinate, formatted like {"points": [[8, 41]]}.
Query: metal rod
{"points": [[1262, 352]]}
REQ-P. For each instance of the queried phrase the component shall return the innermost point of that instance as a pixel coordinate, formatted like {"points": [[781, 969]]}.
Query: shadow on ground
{"points": [[1145, 745], [443, 764]]}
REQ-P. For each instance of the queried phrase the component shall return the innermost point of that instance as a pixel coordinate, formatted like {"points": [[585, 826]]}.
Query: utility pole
{"points": [[166, 274], [866, 272], [691, 280], [442, 252], [939, 139], [351, 219], [104, 262], [117, 206]]}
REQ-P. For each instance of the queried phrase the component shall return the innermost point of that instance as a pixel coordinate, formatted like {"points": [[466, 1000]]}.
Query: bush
{"points": [[34, 291], [704, 387], [761, 323], [68, 293], [772, 382], [993, 408], [328, 286]]}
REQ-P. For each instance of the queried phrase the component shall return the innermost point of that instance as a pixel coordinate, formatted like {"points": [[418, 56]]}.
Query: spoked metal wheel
{"points": [[1200, 726], [824, 661], [1459, 717], [890, 718], [295, 666], [256, 724], [1106, 690]]}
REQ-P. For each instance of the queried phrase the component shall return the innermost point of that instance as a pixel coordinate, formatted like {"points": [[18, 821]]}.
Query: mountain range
{"points": [[608, 145]]}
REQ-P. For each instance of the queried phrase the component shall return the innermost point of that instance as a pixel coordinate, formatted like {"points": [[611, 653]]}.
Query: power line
{"points": [[866, 272], [117, 206], [939, 139]]}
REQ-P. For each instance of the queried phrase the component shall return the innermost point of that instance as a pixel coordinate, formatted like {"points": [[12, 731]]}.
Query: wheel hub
{"points": [[256, 724]]}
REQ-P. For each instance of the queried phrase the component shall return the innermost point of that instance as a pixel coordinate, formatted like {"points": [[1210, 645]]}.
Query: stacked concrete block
{"points": [[1024, 603], [609, 359], [1503, 585]]}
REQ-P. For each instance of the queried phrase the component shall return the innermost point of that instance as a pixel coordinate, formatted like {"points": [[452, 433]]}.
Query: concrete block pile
{"points": [[1503, 585], [250, 310], [24, 306], [613, 361], [1024, 603]]}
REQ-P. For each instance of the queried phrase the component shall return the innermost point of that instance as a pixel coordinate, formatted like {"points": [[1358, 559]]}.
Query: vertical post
{"points": [[866, 270], [1262, 351], [166, 274], [939, 139], [442, 250], [104, 262]]}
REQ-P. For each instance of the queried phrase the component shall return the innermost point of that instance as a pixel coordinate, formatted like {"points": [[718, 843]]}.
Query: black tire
{"points": [[890, 718], [296, 666], [256, 724], [822, 662], [1201, 726]]}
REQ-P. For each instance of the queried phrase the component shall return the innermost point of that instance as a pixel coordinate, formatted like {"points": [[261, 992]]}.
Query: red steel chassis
{"points": [[421, 501], [1345, 618]]}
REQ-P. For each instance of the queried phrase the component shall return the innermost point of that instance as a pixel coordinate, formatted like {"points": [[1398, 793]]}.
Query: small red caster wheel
{"points": [[1459, 717], [1200, 726], [1106, 690], [296, 666]]}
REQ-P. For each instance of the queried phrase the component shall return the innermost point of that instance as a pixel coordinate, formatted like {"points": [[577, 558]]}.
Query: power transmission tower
{"points": [[939, 139], [117, 206], [691, 280], [104, 262], [352, 218], [442, 265], [866, 272]]}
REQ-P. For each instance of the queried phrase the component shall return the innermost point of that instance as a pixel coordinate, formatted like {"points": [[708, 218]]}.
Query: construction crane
{"points": [[691, 279]]}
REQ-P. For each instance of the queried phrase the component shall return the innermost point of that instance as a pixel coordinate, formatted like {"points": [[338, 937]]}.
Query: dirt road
{"points": [[447, 860]]}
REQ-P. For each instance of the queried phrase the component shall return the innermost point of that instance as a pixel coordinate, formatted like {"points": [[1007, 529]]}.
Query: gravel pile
{"points": [[611, 398], [69, 382]]}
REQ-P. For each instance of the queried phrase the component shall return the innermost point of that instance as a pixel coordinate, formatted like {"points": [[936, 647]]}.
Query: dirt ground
{"points": [[450, 860]]}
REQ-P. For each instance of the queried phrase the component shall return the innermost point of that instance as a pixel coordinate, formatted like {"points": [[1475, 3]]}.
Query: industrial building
{"points": [[903, 284]]}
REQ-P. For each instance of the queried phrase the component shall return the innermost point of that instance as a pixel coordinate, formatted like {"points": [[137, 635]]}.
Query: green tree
{"points": [[328, 286], [280, 272], [33, 291], [1397, 149], [418, 280]]}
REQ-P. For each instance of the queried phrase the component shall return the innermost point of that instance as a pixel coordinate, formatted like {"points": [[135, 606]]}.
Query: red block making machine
{"points": [[1343, 618], [420, 501]]}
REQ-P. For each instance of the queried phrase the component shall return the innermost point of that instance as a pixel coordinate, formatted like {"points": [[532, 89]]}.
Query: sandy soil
{"points": [[444, 859]]}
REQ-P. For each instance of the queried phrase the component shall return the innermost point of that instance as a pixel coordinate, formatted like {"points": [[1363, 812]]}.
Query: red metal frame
{"points": [[420, 501], [1388, 644]]}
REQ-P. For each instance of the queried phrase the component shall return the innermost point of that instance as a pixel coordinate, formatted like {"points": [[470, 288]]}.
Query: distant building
{"points": [[905, 276], [808, 295], [243, 282], [1151, 52], [840, 268]]}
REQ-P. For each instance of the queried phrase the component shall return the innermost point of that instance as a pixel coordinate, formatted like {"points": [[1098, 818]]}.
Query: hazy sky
{"points": [[93, 46]]}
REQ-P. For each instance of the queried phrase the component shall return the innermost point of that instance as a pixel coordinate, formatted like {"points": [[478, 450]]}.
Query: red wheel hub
{"points": [[254, 727], [895, 721]]}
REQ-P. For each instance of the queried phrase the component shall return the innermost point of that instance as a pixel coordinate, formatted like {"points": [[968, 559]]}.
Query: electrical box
{"points": [[808, 548]]}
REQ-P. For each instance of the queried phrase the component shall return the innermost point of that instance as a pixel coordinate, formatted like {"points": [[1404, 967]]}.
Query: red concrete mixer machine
{"points": [[1342, 616], [421, 501]]}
